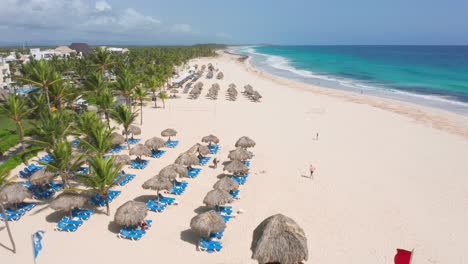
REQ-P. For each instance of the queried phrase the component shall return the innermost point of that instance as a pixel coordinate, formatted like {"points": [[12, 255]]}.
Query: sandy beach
{"points": [[389, 175]]}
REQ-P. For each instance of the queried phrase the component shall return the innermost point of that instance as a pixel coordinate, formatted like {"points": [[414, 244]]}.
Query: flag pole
{"points": [[34, 257], [411, 258]]}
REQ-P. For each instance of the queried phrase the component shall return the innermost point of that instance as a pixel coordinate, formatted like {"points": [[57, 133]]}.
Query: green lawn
{"points": [[5, 123]]}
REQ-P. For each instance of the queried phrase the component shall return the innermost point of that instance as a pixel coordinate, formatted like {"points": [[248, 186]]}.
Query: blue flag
{"points": [[37, 242]]}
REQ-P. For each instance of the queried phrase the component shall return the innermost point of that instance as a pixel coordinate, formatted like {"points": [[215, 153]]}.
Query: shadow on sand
{"points": [[113, 227], [201, 209], [189, 236]]}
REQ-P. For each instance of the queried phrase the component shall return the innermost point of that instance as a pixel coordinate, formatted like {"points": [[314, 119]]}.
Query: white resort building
{"points": [[5, 74]]}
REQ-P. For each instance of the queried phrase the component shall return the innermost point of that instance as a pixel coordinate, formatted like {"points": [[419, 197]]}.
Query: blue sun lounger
{"points": [[125, 179], [64, 226], [82, 214], [139, 165], [99, 200], [11, 215], [133, 140], [158, 153], [226, 209], [117, 148], [217, 235], [210, 246], [156, 206], [166, 200], [235, 194], [134, 233], [46, 159], [172, 143], [25, 207], [247, 163], [176, 190], [239, 179], [182, 184], [213, 148], [194, 172], [204, 160]]}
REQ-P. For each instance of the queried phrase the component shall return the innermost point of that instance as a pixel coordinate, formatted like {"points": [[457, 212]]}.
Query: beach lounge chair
{"points": [[182, 184], [226, 209], [62, 226], [25, 207], [172, 143], [193, 172], [227, 217], [176, 190], [210, 246], [99, 200], [204, 160], [167, 200], [240, 180], [11, 215], [134, 233], [133, 140], [217, 235], [56, 186], [139, 164], [116, 148], [82, 214], [42, 194], [158, 153], [213, 148], [235, 193], [74, 221], [75, 143], [156, 206], [126, 179], [247, 163]]}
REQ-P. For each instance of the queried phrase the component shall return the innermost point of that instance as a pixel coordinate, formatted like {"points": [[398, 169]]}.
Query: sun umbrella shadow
{"points": [[190, 237], [55, 216], [145, 198], [222, 175], [201, 209], [114, 227]]}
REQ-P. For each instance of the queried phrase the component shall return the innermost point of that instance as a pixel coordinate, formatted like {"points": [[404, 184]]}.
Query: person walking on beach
{"points": [[316, 136], [215, 163], [311, 169]]}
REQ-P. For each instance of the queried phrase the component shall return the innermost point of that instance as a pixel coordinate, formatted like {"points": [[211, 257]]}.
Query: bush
{"points": [[8, 141], [5, 132]]}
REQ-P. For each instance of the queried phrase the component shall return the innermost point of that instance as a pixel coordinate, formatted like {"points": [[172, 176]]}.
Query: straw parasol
{"points": [[245, 142], [203, 150], [209, 75], [217, 197], [140, 150], [155, 143], [174, 91], [198, 85], [232, 85], [117, 138], [41, 176], [187, 159], [14, 193], [193, 149], [134, 130], [220, 76], [279, 239], [232, 91], [256, 96], [68, 200], [158, 183], [226, 184], [215, 86], [172, 171], [122, 159], [240, 154], [210, 139], [236, 167], [169, 132], [131, 213], [206, 223]]}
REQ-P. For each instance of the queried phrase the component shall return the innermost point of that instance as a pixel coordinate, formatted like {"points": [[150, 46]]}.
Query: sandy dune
{"points": [[384, 180]]}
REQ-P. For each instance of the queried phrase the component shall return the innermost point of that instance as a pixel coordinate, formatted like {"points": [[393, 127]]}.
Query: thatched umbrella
{"points": [[210, 139], [236, 167], [187, 159], [171, 171], [117, 138], [155, 143], [134, 130], [232, 85], [279, 239], [240, 154], [226, 184], [206, 223], [217, 197], [203, 67], [232, 91], [245, 142], [198, 85], [69, 200], [169, 132], [41, 176], [256, 96], [220, 76], [209, 75], [140, 150], [174, 91], [122, 159], [193, 149], [248, 89], [215, 86], [131, 213], [203, 150], [158, 183], [14, 193]]}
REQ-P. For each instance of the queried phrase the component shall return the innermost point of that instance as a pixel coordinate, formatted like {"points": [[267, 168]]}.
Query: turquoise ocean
{"points": [[435, 76]]}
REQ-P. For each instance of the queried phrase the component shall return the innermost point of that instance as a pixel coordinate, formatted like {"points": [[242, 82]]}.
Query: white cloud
{"points": [[102, 6]]}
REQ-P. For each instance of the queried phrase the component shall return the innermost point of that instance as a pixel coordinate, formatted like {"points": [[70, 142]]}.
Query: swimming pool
{"points": [[25, 90]]}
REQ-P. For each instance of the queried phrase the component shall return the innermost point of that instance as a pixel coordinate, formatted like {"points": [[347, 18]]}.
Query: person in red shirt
{"points": [[311, 169]]}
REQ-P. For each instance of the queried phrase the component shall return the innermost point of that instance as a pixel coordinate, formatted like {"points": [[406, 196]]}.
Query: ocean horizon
{"points": [[434, 76]]}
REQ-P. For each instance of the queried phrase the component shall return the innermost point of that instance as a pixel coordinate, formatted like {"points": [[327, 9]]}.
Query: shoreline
{"points": [[440, 119]]}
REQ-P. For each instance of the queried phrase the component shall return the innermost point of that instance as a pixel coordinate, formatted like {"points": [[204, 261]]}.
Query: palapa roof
{"points": [[245, 142], [158, 183], [134, 130], [220, 75], [122, 159], [279, 239], [236, 167], [232, 85], [131, 213], [14, 193], [226, 184], [68, 200], [171, 171], [210, 139], [140, 150], [155, 143], [232, 91], [41, 176], [217, 197], [206, 223], [117, 138], [187, 159], [169, 132], [240, 154], [203, 150]]}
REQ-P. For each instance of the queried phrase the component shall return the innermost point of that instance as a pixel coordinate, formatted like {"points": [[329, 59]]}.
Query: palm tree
{"points": [[65, 161], [61, 93], [5, 180], [17, 109], [52, 128], [102, 59], [41, 74], [141, 94], [102, 176], [124, 116], [86, 122], [163, 95], [153, 83], [95, 83], [105, 100], [126, 83], [99, 141]]}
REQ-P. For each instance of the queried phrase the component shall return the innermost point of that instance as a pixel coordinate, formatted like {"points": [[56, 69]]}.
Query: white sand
{"points": [[385, 179]]}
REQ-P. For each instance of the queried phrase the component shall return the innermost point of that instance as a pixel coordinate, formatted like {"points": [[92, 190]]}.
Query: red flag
{"points": [[403, 256]]}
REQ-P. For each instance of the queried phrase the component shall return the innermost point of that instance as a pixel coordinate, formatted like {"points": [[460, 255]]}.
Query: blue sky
{"points": [[239, 22]]}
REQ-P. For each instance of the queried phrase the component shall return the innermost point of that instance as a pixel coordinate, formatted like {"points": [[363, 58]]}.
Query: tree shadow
{"points": [[190, 237], [113, 227], [56, 216], [145, 198], [201, 209]]}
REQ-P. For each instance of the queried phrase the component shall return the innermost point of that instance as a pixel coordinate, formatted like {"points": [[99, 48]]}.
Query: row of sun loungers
{"points": [[139, 164], [158, 153], [133, 140], [15, 214], [125, 179], [117, 148], [100, 201], [172, 143], [29, 170], [79, 216], [134, 233]]}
